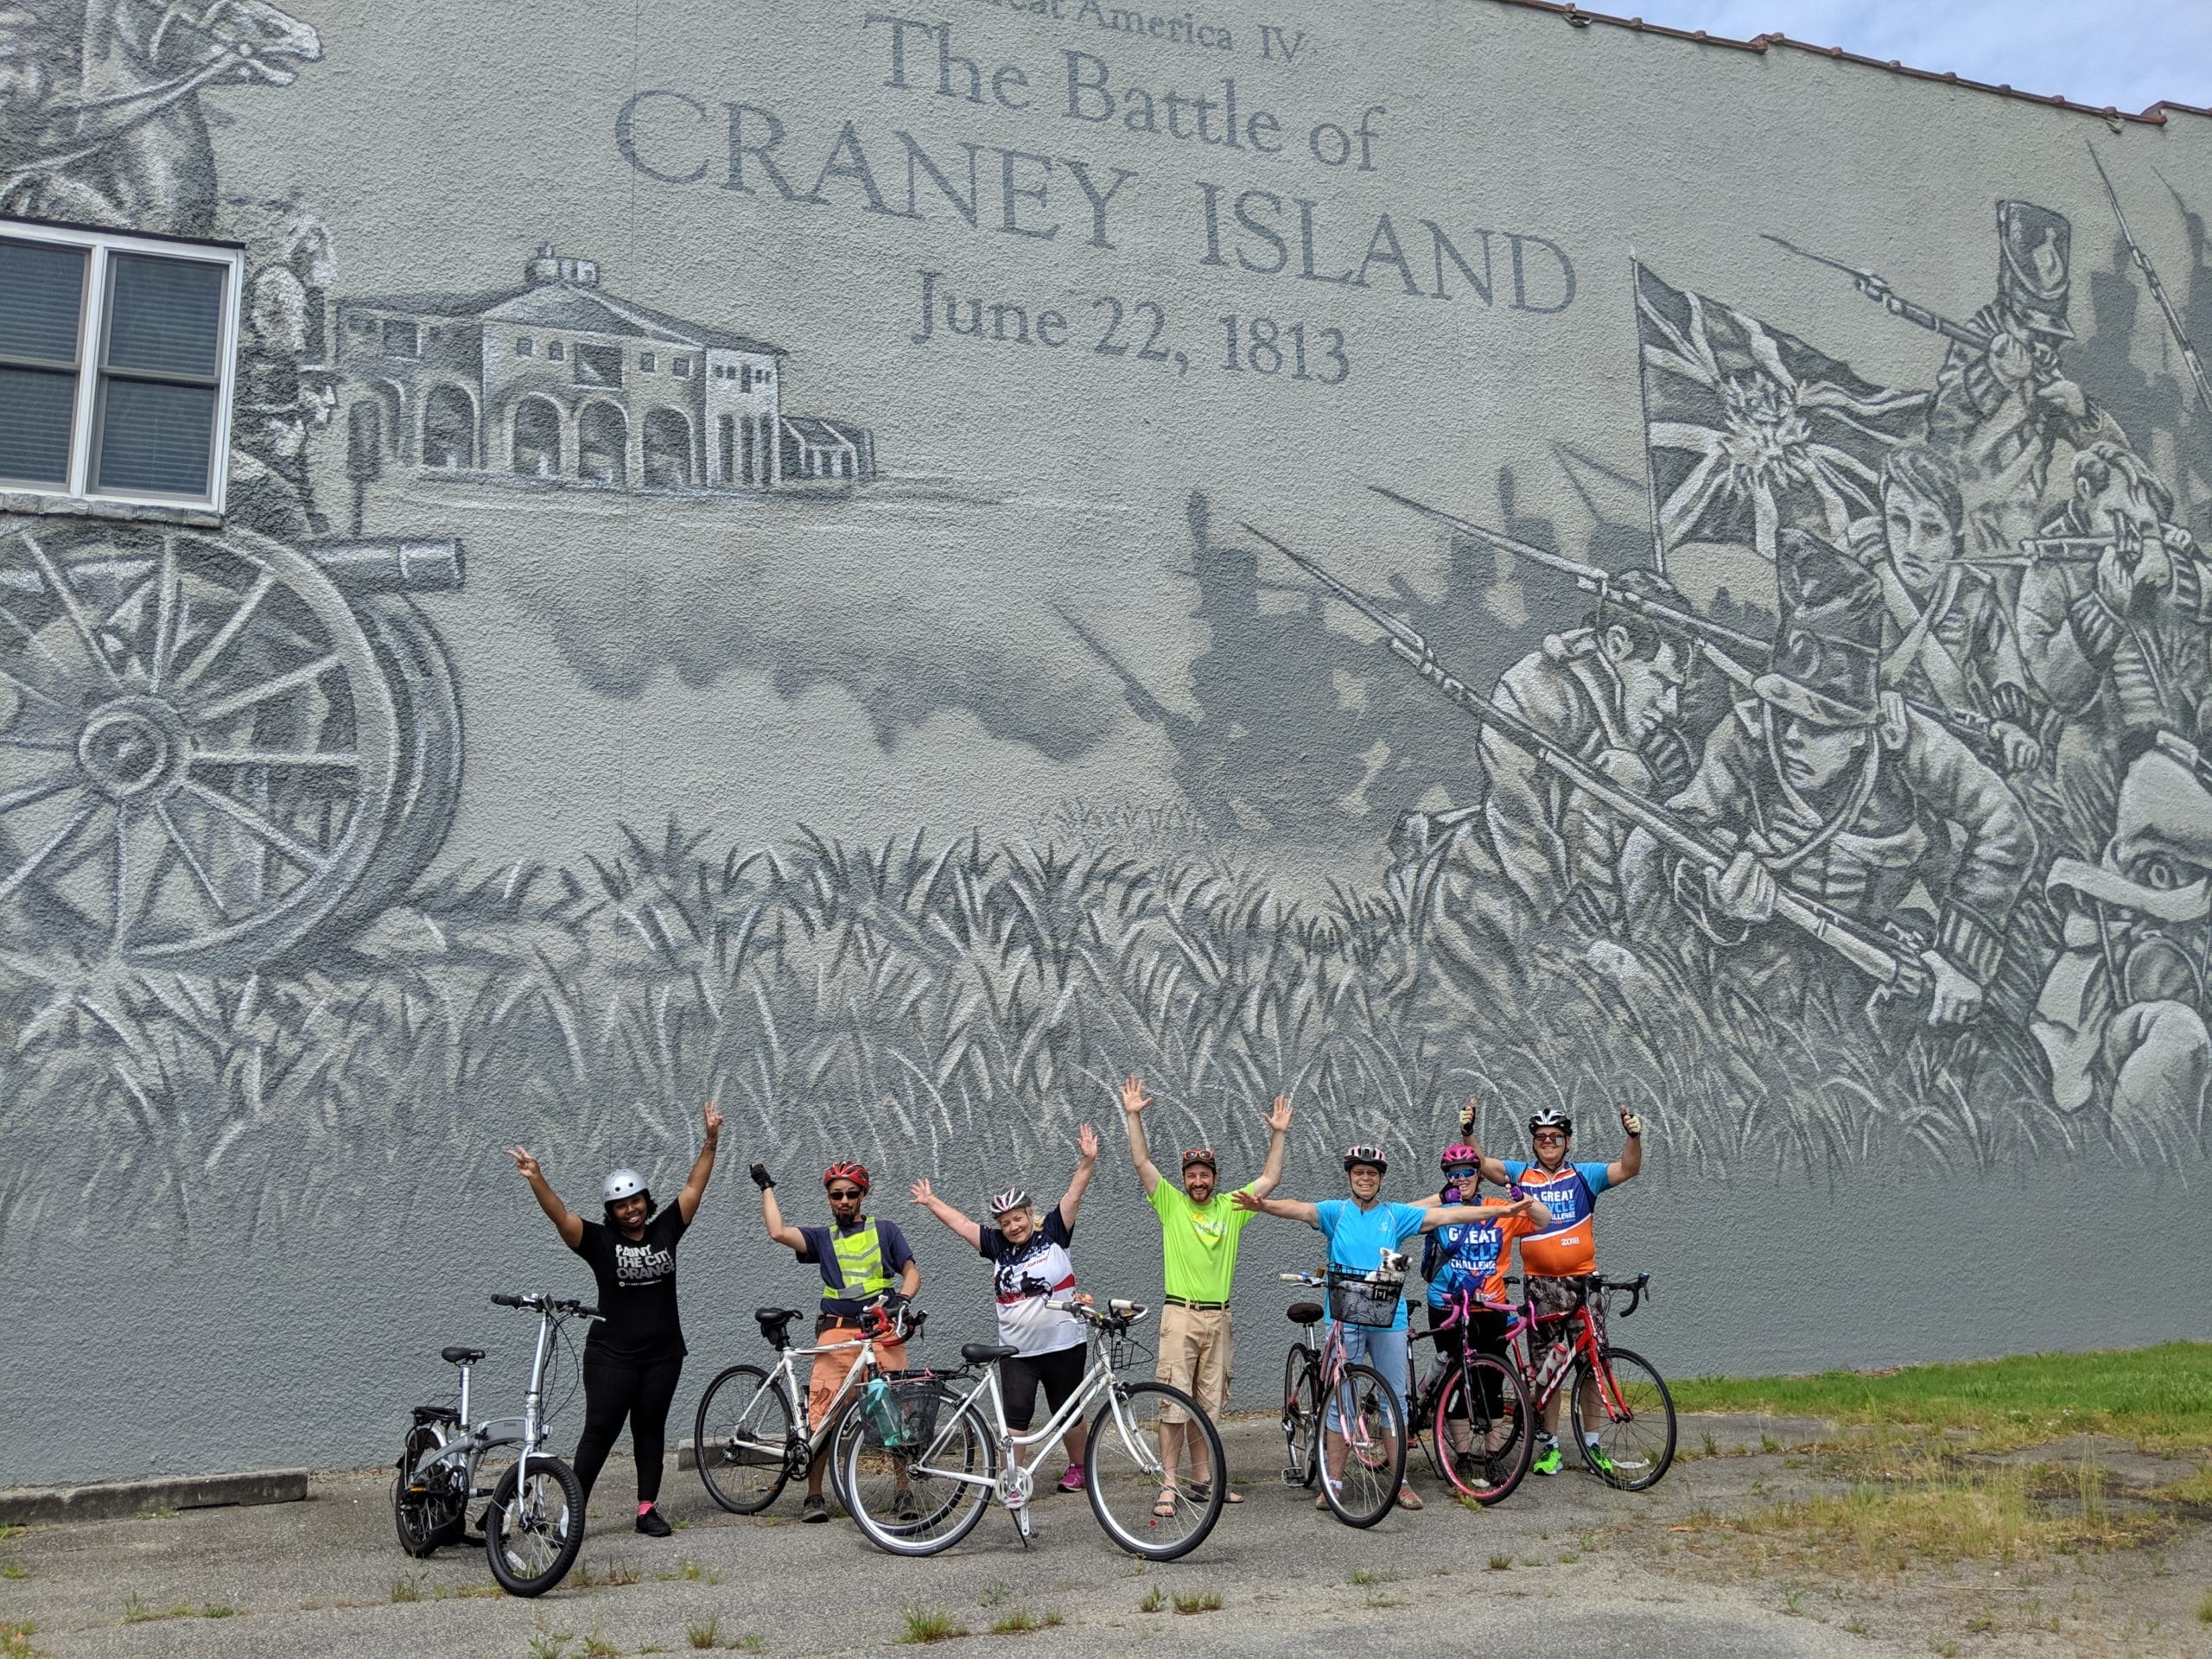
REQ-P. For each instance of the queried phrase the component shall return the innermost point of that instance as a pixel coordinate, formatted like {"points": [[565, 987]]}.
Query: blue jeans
{"points": [[1385, 1352]]}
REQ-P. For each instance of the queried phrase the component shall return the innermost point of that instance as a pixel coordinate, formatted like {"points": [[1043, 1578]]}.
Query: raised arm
{"points": [[703, 1169], [1629, 1164], [1278, 1143], [789, 1237], [1445, 1215], [1286, 1209], [1134, 1101], [1493, 1169], [1086, 1140], [569, 1225], [971, 1231]]}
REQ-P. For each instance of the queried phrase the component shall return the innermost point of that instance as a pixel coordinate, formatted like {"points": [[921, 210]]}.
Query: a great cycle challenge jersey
{"points": [[1568, 1248]]}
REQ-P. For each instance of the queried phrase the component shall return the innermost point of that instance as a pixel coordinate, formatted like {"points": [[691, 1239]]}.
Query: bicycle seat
{"points": [[768, 1316], [461, 1356], [1304, 1312], [983, 1353]]}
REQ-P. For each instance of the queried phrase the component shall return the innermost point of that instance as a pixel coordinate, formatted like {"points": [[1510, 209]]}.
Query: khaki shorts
{"points": [[831, 1369], [1195, 1355]]}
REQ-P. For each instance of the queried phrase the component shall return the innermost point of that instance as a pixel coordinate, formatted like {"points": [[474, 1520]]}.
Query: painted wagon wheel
{"points": [[197, 744]]}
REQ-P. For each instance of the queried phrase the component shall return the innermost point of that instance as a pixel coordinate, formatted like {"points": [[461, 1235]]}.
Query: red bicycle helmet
{"points": [[847, 1171]]}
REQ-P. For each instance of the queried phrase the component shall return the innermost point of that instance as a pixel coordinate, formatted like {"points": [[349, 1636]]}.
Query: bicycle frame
{"points": [[816, 1435], [1585, 1344], [530, 1431]]}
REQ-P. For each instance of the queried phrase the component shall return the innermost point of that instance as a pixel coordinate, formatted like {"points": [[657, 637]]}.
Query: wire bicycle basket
{"points": [[900, 1413], [1126, 1351], [1365, 1298]]}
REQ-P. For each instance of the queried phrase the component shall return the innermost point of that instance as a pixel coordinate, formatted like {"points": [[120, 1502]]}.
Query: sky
{"points": [[2130, 54]]}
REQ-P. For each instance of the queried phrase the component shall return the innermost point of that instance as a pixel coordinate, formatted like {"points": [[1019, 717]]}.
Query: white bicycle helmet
{"points": [[622, 1184], [1013, 1199]]}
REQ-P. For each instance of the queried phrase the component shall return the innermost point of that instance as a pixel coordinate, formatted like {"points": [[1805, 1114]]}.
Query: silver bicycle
{"points": [[930, 1458], [533, 1525]]}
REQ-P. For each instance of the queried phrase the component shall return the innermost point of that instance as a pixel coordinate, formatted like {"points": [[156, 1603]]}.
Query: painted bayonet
{"points": [[1877, 288], [1869, 952], [2157, 288]]}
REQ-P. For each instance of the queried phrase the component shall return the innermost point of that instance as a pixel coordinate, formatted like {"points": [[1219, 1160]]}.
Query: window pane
{"points": [[164, 314], [35, 415], [41, 291], [156, 436]]}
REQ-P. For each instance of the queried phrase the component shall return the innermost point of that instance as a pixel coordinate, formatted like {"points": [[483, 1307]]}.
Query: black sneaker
{"points": [[814, 1509], [650, 1523]]}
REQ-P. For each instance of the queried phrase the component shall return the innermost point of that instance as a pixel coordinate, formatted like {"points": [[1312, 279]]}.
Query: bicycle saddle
{"points": [[1305, 1312], [983, 1353], [461, 1356]]}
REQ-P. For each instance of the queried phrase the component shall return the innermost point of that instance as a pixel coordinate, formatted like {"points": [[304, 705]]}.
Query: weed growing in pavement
{"points": [[1855, 1625], [1712, 1445], [931, 1625], [1370, 1575], [408, 1587], [580, 1576], [2204, 1608], [596, 1646], [998, 1595], [1500, 1563], [1948, 1648], [1205, 1601], [751, 1642], [619, 1573], [15, 1639], [687, 1569], [136, 1610], [1793, 1598], [14, 1570], [1154, 1599], [549, 1643], [1586, 1542], [1569, 1557], [219, 1610], [1021, 1619]]}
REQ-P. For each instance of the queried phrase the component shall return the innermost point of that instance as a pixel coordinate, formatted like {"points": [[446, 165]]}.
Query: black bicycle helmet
{"points": [[1551, 1118]]}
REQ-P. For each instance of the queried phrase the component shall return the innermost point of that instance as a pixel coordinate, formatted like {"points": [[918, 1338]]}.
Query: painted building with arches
{"points": [[559, 380]]}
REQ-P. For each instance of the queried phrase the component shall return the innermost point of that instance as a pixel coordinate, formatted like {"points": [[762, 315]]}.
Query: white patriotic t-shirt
{"points": [[1025, 1277]]}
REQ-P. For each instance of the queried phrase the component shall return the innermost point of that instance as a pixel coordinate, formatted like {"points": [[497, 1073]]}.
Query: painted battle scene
{"points": [[1897, 842]]}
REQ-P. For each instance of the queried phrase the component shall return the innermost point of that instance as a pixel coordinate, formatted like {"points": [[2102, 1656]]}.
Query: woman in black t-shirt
{"points": [[633, 1356]]}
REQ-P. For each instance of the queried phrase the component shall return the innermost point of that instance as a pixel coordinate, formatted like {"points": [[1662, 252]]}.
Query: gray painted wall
{"points": [[905, 805]]}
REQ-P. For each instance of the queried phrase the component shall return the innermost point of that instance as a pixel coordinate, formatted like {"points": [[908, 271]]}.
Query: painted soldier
{"points": [[1608, 695], [2003, 409], [1952, 646], [1821, 781], [2122, 1012]]}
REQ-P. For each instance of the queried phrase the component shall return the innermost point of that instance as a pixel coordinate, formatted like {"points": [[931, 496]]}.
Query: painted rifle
{"points": [[2157, 288], [1722, 645], [1871, 953], [1146, 706], [1878, 289]]}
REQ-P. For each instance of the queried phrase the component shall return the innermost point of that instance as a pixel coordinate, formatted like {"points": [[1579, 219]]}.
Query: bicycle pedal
{"points": [[1293, 1477]]}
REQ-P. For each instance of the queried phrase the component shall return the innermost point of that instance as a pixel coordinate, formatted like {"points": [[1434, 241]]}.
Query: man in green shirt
{"points": [[1199, 1231]]}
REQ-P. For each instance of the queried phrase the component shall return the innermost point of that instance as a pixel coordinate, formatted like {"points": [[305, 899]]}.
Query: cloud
{"points": [[2130, 54]]}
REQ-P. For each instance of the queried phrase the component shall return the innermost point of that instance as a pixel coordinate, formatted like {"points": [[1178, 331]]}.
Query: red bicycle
{"points": [[1634, 1425]]}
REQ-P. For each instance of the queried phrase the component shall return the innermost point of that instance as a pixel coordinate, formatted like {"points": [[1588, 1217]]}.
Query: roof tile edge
{"points": [[1582, 18]]}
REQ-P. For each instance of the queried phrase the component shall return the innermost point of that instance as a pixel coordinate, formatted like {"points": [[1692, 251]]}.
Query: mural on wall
{"points": [[1900, 837]]}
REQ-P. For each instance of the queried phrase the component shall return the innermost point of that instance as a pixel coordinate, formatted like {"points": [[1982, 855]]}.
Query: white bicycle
{"points": [[930, 1458]]}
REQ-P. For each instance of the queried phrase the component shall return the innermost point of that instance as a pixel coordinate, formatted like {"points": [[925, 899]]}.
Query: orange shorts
{"points": [[831, 1369]]}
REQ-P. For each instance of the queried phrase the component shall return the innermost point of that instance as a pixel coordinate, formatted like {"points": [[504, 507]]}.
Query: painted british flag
{"points": [[1750, 430]]}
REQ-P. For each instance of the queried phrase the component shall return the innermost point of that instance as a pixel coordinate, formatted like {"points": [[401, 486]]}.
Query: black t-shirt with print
{"points": [[637, 1288]]}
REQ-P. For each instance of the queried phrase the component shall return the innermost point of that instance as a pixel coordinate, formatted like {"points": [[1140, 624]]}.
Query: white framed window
{"points": [[116, 358]]}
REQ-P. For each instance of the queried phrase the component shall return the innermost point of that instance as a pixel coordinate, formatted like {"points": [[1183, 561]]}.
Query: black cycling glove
{"points": [[761, 1177]]}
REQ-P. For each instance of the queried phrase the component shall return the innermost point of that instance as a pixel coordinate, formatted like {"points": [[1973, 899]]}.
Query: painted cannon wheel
{"points": [[198, 745], [426, 787]]}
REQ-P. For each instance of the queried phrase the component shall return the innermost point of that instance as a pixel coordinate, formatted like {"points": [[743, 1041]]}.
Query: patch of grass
{"points": [[9, 1534], [596, 1646], [157, 1514], [931, 1625], [1372, 1575], [703, 1635], [2160, 1398], [219, 1610], [1203, 1601], [15, 1639], [998, 1595], [1500, 1563], [1855, 1625], [550, 1644], [408, 1587], [1021, 1619], [136, 1610], [14, 1570], [2204, 1608], [688, 1570], [619, 1573], [1154, 1599], [1569, 1557], [1711, 1447]]}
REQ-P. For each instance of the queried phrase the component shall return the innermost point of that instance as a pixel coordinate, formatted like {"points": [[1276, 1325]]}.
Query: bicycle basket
{"points": [[900, 1413], [1125, 1353], [1356, 1298]]}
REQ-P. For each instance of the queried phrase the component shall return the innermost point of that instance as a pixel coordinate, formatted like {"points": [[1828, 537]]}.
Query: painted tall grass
{"points": [[951, 1005]]}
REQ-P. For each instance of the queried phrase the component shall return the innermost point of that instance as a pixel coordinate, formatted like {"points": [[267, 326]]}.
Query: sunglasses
{"points": [[1464, 1174], [838, 1193], [1543, 1136]]}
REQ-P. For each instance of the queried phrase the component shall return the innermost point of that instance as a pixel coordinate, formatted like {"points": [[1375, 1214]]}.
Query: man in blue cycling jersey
{"points": [[1362, 1230]]}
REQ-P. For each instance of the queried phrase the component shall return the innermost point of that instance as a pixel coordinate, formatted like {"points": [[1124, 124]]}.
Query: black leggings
{"points": [[1487, 1330], [640, 1390], [1060, 1371]]}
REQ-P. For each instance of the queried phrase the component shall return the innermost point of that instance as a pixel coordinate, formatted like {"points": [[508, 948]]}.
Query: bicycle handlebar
{"points": [[1119, 1313], [1301, 1278], [566, 1305]]}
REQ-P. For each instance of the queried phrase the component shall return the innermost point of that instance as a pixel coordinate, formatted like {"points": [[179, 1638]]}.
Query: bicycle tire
{"points": [[1489, 1476], [1645, 1450], [1124, 1441], [1376, 1442], [510, 1505], [427, 1521], [1301, 1412], [963, 1445], [737, 1444]]}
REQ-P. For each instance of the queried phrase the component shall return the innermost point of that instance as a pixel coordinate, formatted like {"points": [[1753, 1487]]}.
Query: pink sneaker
{"points": [[1072, 1480]]}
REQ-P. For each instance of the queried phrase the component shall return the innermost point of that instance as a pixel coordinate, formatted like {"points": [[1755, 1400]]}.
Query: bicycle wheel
{"points": [[1636, 1439], [431, 1510], [919, 1502], [1363, 1448], [1484, 1439], [742, 1437], [534, 1527], [1301, 1414], [1127, 1477]]}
